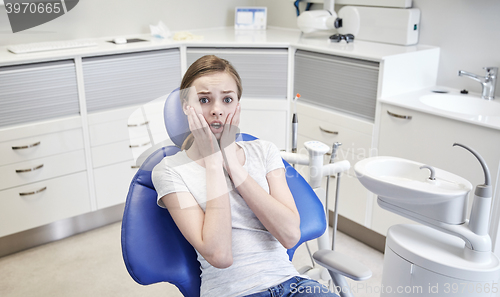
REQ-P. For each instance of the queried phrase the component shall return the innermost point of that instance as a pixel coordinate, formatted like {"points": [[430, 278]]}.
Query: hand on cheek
{"points": [[204, 138]]}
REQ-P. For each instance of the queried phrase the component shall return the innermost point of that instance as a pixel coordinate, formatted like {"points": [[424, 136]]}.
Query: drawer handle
{"points": [[135, 166], [328, 131], [138, 125], [33, 193], [399, 116], [25, 146], [29, 169], [139, 145]]}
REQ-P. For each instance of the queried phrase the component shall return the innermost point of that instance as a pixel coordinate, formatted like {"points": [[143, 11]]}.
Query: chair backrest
{"points": [[154, 250]]}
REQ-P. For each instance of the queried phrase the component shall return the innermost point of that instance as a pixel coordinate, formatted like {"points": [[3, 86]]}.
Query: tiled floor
{"points": [[90, 264]]}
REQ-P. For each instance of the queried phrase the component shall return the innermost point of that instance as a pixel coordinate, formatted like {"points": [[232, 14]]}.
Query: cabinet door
{"points": [[429, 139], [44, 202], [344, 84], [38, 91], [263, 72], [128, 79]]}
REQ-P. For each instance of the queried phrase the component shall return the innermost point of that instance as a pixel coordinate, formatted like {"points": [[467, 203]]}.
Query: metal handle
{"points": [[25, 146], [29, 169], [405, 117], [135, 166], [138, 125], [328, 131], [33, 193], [139, 145]]}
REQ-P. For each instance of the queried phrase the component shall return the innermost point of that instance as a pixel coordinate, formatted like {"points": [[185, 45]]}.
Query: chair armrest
{"points": [[342, 264]]}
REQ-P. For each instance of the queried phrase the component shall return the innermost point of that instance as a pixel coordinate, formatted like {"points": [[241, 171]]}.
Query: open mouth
{"points": [[216, 125]]}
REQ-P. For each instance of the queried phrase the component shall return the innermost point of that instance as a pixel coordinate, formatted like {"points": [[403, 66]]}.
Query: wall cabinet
{"points": [[429, 139]]}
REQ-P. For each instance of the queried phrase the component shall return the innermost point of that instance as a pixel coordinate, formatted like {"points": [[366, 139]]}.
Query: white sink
{"points": [[464, 104], [403, 187]]}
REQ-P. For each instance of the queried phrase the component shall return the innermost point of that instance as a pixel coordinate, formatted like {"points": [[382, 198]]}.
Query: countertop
{"points": [[412, 101], [224, 37]]}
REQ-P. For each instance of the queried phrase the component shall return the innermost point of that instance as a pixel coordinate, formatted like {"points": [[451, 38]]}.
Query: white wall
{"points": [[468, 33], [99, 18]]}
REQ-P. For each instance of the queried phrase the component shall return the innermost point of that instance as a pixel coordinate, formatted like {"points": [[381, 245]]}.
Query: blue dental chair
{"points": [[154, 250]]}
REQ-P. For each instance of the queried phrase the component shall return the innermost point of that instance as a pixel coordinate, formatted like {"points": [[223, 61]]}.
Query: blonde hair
{"points": [[204, 66]]}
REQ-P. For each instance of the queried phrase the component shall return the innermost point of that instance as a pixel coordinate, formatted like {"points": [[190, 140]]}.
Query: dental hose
{"points": [[295, 124], [335, 213]]}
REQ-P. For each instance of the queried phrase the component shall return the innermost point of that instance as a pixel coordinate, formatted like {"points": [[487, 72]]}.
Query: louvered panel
{"points": [[39, 91], [345, 84], [263, 72], [128, 79]]}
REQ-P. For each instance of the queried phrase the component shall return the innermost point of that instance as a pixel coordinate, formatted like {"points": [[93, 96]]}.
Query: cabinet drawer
{"points": [[116, 131], [36, 170], [334, 117], [118, 125], [112, 183], [117, 152], [40, 128], [40, 146], [63, 197], [352, 141]]}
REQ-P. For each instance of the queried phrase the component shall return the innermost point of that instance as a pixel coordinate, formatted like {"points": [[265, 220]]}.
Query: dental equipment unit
{"points": [[448, 249]]}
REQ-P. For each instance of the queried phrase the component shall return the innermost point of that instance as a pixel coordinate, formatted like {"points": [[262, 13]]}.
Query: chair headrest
{"points": [[176, 121]]}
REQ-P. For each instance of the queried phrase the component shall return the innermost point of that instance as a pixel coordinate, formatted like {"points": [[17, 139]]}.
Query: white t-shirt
{"points": [[259, 259]]}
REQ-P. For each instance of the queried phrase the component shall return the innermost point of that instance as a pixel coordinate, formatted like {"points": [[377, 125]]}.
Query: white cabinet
{"points": [[117, 89], [42, 163], [44, 177], [429, 139], [338, 98]]}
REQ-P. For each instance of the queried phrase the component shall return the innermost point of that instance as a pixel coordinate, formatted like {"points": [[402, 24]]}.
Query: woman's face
{"points": [[215, 97]]}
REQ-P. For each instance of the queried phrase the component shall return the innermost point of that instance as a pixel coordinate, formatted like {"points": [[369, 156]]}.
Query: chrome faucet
{"points": [[488, 82]]}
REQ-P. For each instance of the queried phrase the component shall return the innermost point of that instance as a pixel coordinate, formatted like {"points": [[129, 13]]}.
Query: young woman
{"points": [[230, 199]]}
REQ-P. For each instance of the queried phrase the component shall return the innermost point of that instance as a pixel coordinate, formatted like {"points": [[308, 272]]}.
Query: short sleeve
{"points": [[166, 180], [273, 159]]}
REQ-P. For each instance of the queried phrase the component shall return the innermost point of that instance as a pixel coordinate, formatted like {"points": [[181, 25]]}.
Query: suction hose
{"points": [[480, 213]]}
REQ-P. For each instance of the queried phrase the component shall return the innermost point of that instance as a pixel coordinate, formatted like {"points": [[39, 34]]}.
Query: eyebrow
{"points": [[224, 92]]}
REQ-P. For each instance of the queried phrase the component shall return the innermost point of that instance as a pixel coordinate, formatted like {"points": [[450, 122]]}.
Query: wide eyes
{"points": [[204, 100]]}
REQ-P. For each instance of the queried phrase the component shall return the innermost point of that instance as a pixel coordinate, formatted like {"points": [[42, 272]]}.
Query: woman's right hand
{"points": [[205, 140]]}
